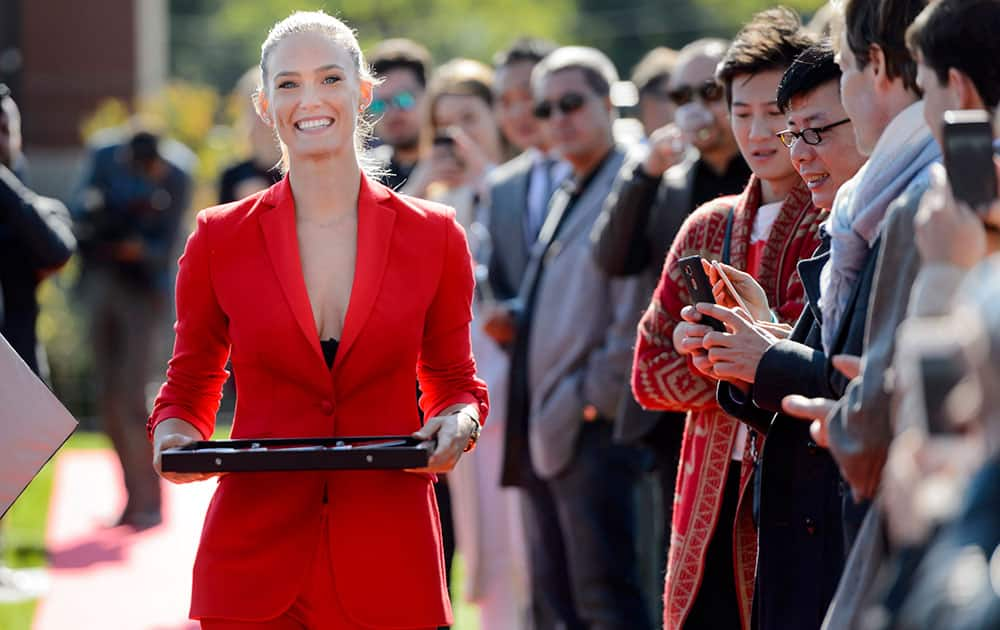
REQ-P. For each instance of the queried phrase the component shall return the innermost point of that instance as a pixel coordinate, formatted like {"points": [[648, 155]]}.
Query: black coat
{"points": [[799, 494], [35, 237]]}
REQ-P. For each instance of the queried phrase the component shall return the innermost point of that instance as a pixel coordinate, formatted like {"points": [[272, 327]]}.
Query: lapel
{"points": [[376, 218], [809, 271], [281, 241], [375, 222]]}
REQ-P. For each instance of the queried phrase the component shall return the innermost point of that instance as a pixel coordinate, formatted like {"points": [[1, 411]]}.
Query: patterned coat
{"points": [[662, 379]]}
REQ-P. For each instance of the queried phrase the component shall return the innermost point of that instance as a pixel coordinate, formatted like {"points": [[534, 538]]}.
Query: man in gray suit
{"points": [[521, 188], [575, 326]]}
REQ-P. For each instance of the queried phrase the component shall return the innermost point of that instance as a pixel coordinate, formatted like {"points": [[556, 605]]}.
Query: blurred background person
{"points": [[128, 213], [260, 170], [488, 519], [573, 326], [404, 67], [36, 239], [651, 77], [460, 138]]}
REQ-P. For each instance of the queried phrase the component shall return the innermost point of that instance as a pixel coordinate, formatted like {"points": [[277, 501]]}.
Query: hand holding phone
{"points": [[967, 139], [699, 287]]}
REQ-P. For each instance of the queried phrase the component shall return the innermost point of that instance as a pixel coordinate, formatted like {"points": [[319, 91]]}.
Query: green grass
{"points": [[24, 538]]}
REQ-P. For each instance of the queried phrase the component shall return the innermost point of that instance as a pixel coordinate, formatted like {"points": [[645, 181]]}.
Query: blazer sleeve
{"points": [[620, 240], [446, 368], [42, 224], [196, 372], [662, 379]]}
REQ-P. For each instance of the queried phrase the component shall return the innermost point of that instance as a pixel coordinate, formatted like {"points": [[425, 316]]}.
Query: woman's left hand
{"points": [[452, 432]]}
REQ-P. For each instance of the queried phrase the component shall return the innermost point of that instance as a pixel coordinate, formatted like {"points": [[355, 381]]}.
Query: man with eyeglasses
{"points": [[404, 66], [569, 371], [798, 488]]}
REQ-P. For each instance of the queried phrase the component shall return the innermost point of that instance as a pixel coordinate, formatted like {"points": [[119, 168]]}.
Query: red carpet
{"points": [[117, 579]]}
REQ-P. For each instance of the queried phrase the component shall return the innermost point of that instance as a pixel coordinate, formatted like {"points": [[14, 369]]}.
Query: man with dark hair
{"points": [[404, 67], [764, 232], [36, 239], [569, 369], [800, 528], [127, 214], [521, 188], [650, 77]]}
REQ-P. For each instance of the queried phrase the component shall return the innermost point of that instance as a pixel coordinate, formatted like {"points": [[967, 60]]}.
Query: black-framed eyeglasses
{"points": [[707, 92], [567, 104], [403, 101], [809, 136]]}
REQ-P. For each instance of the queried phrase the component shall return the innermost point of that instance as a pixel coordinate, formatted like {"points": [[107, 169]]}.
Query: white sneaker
{"points": [[21, 584]]}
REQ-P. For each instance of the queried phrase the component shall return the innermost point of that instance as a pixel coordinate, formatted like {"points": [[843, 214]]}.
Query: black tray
{"points": [[287, 454]]}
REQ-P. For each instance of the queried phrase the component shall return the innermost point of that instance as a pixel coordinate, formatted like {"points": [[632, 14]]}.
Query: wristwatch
{"points": [[474, 436]]}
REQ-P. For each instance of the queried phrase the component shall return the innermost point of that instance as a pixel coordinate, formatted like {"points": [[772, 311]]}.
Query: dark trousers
{"points": [[716, 606], [593, 500], [664, 441], [124, 327], [552, 597]]}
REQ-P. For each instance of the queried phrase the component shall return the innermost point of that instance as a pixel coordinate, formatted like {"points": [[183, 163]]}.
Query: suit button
{"points": [[327, 407], [812, 447], [810, 526]]}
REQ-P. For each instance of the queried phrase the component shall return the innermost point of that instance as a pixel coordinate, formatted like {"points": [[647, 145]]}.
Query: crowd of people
{"points": [[819, 446]]}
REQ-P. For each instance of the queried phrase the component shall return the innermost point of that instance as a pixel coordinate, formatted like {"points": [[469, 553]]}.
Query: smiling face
{"points": [[312, 96], [825, 166], [755, 121]]}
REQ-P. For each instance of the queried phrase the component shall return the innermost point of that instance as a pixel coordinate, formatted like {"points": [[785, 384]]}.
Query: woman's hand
{"points": [[452, 431], [473, 159], [750, 291], [172, 433]]}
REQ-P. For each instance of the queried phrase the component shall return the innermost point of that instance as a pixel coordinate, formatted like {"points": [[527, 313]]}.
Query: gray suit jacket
{"points": [[581, 329], [859, 426], [508, 202]]}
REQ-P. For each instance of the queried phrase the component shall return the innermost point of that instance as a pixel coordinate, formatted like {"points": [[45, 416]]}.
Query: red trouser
{"points": [[317, 608]]}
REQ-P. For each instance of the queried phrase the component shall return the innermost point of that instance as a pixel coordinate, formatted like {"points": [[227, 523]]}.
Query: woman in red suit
{"points": [[325, 290]]}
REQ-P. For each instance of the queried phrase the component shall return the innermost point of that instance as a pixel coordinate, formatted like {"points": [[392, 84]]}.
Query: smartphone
{"points": [[968, 157], [729, 285], [934, 367], [699, 288]]}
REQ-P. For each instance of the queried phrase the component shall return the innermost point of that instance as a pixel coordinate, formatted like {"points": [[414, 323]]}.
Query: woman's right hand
{"points": [[172, 433], [748, 288]]}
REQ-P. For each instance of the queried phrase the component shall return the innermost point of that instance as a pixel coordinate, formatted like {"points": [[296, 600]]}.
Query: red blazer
{"points": [[240, 289]]}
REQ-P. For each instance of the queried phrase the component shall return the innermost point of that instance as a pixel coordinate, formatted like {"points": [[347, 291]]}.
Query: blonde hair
{"points": [[340, 33]]}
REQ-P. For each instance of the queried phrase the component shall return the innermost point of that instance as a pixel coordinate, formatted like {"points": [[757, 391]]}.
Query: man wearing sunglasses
{"points": [[403, 65], [569, 370]]}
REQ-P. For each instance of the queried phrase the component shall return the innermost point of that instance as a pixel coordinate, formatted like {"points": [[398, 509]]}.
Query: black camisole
{"points": [[329, 350]]}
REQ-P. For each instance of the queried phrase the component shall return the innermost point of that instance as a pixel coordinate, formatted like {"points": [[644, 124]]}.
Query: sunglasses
{"points": [[707, 92], [567, 104], [404, 102], [810, 136]]}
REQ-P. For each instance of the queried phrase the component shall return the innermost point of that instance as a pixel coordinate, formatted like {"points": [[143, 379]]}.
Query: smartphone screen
{"points": [[968, 157]]}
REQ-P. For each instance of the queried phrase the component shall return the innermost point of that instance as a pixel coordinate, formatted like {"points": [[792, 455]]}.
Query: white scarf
{"points": [[905, 149]]}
